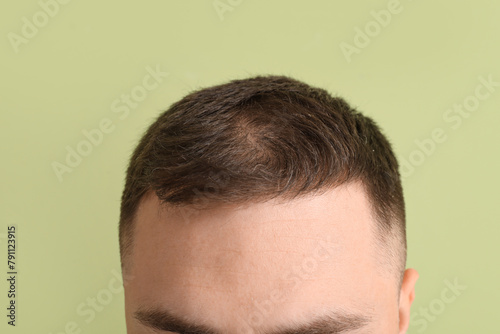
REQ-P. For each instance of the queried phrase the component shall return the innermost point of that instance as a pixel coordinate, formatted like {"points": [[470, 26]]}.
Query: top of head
{"points": [[262, 138]]}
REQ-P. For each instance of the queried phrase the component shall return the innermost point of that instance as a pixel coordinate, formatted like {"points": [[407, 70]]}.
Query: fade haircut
{"points": [[271, 137]]}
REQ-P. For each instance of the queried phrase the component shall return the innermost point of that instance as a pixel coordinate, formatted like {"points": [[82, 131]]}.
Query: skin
{"points": [[248, 269]]}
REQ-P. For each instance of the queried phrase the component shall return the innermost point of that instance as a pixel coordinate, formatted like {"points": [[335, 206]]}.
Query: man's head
{"points": [[264, 205]]}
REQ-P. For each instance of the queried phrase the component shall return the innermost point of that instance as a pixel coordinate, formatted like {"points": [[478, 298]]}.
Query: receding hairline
{"points": [[385, 248], [332, 141]]}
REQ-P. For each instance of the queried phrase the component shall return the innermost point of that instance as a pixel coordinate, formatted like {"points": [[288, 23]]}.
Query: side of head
{"points": [[282, 157]]}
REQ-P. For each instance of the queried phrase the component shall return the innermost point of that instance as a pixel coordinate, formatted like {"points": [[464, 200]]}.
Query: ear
{"points": [[406, 297]]}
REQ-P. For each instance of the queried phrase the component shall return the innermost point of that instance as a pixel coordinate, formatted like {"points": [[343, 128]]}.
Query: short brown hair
{"points": [[271, 136]]}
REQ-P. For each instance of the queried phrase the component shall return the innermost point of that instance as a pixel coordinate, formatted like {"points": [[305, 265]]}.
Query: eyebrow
{"points": [[337, 322]]}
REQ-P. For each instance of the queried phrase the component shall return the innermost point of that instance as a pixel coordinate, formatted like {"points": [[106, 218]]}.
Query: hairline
{"points": [[385, 241]]}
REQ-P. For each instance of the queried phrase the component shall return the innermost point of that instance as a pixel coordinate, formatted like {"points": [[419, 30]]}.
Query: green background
{"points": [[64, 79]]}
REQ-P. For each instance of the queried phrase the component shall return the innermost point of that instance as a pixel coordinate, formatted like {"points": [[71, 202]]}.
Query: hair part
{"points": [[271, 137]]}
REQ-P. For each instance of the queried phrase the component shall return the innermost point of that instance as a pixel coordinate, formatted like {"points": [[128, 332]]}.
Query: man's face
{"points": [[274, 267]]}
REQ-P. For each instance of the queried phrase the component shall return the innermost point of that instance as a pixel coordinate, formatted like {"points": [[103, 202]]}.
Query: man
{"points": [[264, 205]]}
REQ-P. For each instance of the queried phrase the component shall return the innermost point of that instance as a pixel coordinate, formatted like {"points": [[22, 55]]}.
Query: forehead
{"points": [[295, 257]]}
